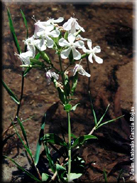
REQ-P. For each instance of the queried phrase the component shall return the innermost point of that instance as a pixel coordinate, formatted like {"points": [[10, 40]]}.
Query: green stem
{"points": [[62, 73], [69, 146]]}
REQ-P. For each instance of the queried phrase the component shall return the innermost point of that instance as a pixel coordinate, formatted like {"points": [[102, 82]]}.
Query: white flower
{"points": [[25, 57], [32, 43], [78, 68], [71, 46], [46, 31], [40, 26], [50, 74], [92, 52], [72, 25]]}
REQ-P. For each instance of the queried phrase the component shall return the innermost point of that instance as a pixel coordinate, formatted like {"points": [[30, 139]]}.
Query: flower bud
{"points": [[44, 56]]}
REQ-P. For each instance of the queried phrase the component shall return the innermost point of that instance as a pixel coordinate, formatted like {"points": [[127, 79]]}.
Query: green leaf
{"points": [[54, 139], [45, 176], [73, 136], [61, 172], [51, 162], [80, 140], [75, 176], [39, 143], [22, 169], [74, 83], [67, 107], [105, 176], [13, 31], [60, 168], [109, 121], [103, 115], [23, 131], [94, 114], [25, 22], [12, 95], [26, 148], [66, 85], [74, 107]]}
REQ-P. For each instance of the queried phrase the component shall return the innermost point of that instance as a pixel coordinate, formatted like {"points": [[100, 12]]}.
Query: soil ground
{"points": [[109, 25]]}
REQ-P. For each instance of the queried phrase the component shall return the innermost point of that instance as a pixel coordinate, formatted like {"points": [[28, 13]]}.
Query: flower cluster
{"points": [[65, 40]]}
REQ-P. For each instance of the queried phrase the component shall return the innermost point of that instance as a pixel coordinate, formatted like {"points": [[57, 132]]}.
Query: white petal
{"points": [[32, 50], [71, 38], [98, 59], [83, 73], [55, 76], [97, 49], [65, 53], [50, 42], [48, 74], [40, 34], [63, 42], [49, 28], [67, 25], [25, 57], [77, 26], [90, 58], [79, 44], [60, 19], [75, 69], [76, 54], [55, 33], [85, 50], [41, 44], [89, 43]]}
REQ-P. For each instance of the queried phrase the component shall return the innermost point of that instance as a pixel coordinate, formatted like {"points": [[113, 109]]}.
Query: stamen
{"points": [[33, 18]]}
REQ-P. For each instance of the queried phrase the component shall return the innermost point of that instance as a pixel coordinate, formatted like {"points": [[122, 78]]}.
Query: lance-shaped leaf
{"points": [[103, 115], [50, 160], [23, 131], [25, 22], [80, 140], [47, 116], [25, 146], [75, 176], [66, 85], [109, 121], [93, 111], [39, 143], [22, 169], [54, 139], [61, 172], [74, 83], [12, 95], [13, 32]]}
